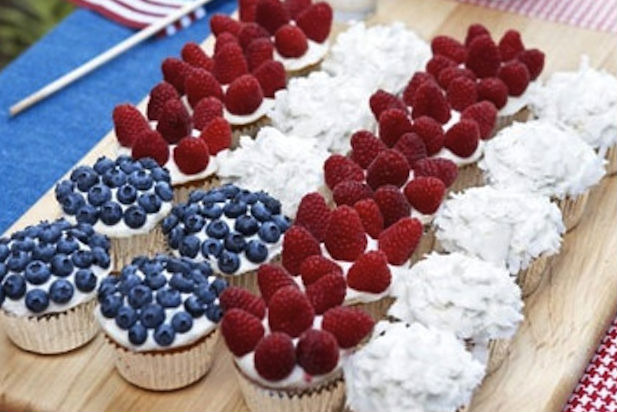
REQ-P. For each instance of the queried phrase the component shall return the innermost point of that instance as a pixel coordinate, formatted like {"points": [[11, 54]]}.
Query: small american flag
{"points": [[138, 14]]}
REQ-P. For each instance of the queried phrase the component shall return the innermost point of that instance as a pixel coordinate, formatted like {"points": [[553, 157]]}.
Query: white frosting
{"points": [[540, 157], [467, 296], [410, 368], [500, 226], [286, 167], [241, 120], [313, 55], [585, 100]]}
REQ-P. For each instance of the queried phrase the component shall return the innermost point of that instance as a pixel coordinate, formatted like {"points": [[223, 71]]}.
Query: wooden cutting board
{"points": [[564, 321]]}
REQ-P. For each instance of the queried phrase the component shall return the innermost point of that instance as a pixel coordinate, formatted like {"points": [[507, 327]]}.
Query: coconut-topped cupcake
{"points": [[124, 199], [411, 368], [540, 157], [160, 317], [49, 274]]}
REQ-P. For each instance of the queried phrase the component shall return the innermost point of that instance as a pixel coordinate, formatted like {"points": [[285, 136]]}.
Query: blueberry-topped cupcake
{"points": [[160, 316], [124, 199], [235, 230], [49, 274]]}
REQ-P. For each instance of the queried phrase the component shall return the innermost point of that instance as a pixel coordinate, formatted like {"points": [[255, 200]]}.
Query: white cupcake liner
{"points": [[52, 333], [573, 209], [305, 71], [611, 157], [182, 192], [124, 249], [468, 176], [529, 279], [250, 129]]}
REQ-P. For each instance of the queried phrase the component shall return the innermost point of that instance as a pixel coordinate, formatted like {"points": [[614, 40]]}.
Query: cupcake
{"points": [[234, 230], [411, 368], [286, 357], [160, 318], [586, 101], [474, 299], [48, 279], [540, 157], [123, 199], [520, 231]]}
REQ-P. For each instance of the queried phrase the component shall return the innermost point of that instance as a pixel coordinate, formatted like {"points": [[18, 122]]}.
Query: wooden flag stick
{"points": [[104, 57]]}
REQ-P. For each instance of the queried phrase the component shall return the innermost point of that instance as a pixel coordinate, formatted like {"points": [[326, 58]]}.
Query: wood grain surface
{"points": [[564, 320]]}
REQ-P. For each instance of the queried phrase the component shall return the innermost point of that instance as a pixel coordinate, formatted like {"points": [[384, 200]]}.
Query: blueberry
{"points": [[1, 297], [169, 223], [211, 247], [204, 268], [85, 281], [141, 179], [101, 257], [247, 197], [3, 271], [175, 237], [196, 195], [114, 178], [282, 222], [256, 251], [272, 204], [189, 246], [82, 258], [62, 224], [228, 262], [138, 334], [98, 194], [107, 288], [134, 217], [61, 291], [214, 313], [67, 245], [4, 252], [85, 228], [103, 164], [194, 306], [269, 232], [126, 194], [37, 300], [217, 229], [87, 214], [214, 196], [197, 277], [148, 163], [123, 159], [178, 210], [33, 231], [72, 203], [175, 265], [234, 209], [230, 190], [37, 272], [63, 189], [235, 242], [44, 252], [193, 223], [161, 175], [260, 212], [110, 303], [152, 315], [139, 296], [78, 234], [181, 283], [61, 265], [205, 294], [126, 317], [211, 210], [128, 282], [156, 281], [219, 285], [14, 287], [151, 267], [164, 335], [18, 261], [247, 225], [98, 240], [111, 213], [130, 166], [27, 244], [168, 298], [127, 271], [182, 322], [149, 202], [85, 177]]}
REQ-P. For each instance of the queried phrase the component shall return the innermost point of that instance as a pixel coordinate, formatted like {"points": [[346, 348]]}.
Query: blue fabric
{"points": [[40, 145]]}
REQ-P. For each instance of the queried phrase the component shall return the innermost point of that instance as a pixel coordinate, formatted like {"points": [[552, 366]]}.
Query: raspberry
{"points": [[327, 292], [474, 31], [158, 96], [450, 73], [462, 93], [151, 144], [221, 23], [229, 63], [338, 168], [259, 51], [431, 133], [430, 101], [510, 45], [365, 147], [271, 76], [393, 123], [392, 204], [416, 81], [412, 147], [206, 110], [345, 237], [244, 95], [247, 10], [348, 325], [493, 89], [290, 311], [224, 39], [443, 169], [298, 244], [235, 297], [463, 137], [129, 123], [317, 352], [275, 357], [390, 167], [290, 41], [191, 155], [400, 240], [438, 63], [250, 32], [199, 84], [448, 47], [175, 122], [194, 55], [382, 100], [271, 278], [534, 60], [370, 215], [316, 266], [349, 192], [174, 72], [483, 57], [217, 135], [370, 273], [295, 7], [484, 114], [314, 215], [425, 194], [241, 331], [316, 21], [516, 77], [271, 15]]}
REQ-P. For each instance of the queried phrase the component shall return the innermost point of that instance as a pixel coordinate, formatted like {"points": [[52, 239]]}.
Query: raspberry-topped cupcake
{"points": [[235, 230], [160, 318], [124, 199], [287, 357], [49, 274]]}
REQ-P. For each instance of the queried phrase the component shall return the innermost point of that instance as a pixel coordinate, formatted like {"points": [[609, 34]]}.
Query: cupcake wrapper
{"points": [[498, 351], [328, 397], [248, 280], [468, 176], [163, 371], [181, 192], [250, 129], [124, 249], [304, 71], [611, 156], [572, 209], [529, 279], [426, 245], [52, 333], [377, 309], [504, 121]]}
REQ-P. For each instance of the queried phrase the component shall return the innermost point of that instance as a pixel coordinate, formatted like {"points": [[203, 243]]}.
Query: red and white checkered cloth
{"points": [[589, 14]]}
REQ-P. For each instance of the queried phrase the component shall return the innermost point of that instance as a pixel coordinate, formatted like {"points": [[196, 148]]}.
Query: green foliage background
{"points": [[23, 22]]}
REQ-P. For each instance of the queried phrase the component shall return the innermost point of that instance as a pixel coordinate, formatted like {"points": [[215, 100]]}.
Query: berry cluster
{"points": [[160, 297], [44, 264], [280, 328], [223, 225], [124, 190]]}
